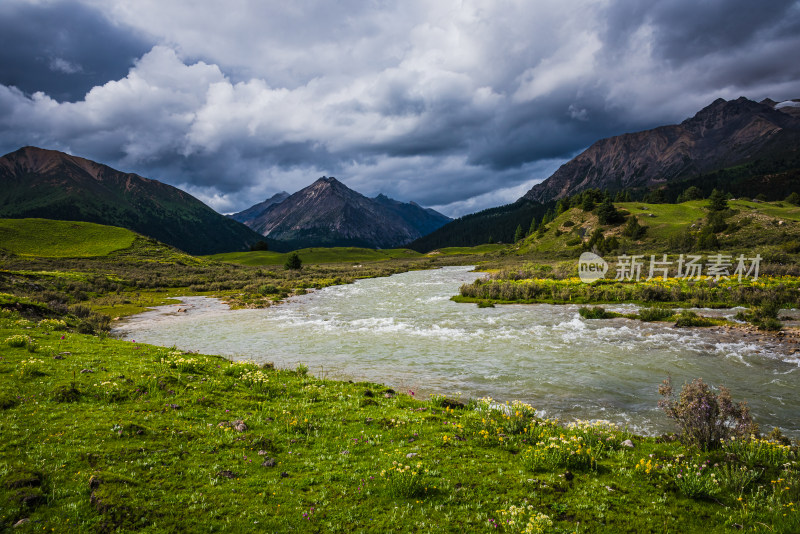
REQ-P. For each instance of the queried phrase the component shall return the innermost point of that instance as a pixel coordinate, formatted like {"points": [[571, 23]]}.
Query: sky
{"points": [[459, 105]]}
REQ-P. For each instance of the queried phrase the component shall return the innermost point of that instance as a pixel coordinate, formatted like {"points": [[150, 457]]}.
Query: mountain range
{"points": [[52, 185], [723, 135], [739, 146], [328, 213], [258, 210]]}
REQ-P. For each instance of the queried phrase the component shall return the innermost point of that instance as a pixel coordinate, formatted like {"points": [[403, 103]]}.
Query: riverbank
{"points": [[404, 331], [104, 435]]}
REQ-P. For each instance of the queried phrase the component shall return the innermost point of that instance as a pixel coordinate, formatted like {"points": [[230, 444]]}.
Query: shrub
{"points": [[633, 229], [704, 417], [689, 318], [793, 198], [268, 289], [524, 519], [608, 214], [737, 478], [764, 317], [94, 323], [403, 480], [53, 324], [293, 262], [596, 312], [655, 314], [718, 201], [692, 193], [17, 341], [80, 311], [762, 452], [696, 481]]}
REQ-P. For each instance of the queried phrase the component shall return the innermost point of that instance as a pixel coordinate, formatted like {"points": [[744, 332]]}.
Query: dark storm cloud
{"points": [[63, 49], [460, 104], [684, 30]]}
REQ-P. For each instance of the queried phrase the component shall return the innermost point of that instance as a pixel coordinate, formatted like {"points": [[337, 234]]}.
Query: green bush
{"points": [[293, 262], [633, 229], [689, 318], [596, 312], [655, 314], [17, 341], [706, 418]]}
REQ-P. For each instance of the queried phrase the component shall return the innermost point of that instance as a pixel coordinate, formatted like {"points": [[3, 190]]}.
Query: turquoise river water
{"points": [[405, 332]]}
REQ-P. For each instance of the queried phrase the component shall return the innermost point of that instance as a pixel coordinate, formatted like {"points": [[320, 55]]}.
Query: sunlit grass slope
{"points": [[61, 239]]}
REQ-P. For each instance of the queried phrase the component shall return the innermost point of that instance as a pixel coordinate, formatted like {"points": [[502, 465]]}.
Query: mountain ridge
{"points": [[328, 213], [36, 182], [723, 134], [739, 146]]}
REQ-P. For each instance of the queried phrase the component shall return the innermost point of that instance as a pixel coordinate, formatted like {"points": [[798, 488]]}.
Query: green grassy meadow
{"points": [[102, 435], [61, 239], [317, 255]]}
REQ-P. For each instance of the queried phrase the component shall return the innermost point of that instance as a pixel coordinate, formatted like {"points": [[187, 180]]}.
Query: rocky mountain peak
{"points": [[721, 135], [328, 213]]}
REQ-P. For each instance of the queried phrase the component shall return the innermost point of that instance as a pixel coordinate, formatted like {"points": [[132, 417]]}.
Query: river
{"points": [[405, 332]]}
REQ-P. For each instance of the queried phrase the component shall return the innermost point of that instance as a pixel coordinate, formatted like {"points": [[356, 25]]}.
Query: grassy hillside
{"points": [[479, 249], [316, 255], [770, 226], [61, 239]]}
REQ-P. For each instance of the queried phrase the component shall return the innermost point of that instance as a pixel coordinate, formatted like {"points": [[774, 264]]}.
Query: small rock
{"points": [[22, 522], [627, 443], [227, 473], [237, 425], [284, 475], [58, 357], [387, 396], [411, 454], [86, 371], [269, 462], [262, 453]]}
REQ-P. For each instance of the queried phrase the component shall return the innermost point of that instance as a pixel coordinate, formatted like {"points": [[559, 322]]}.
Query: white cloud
{"points": [[457, 104]]}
